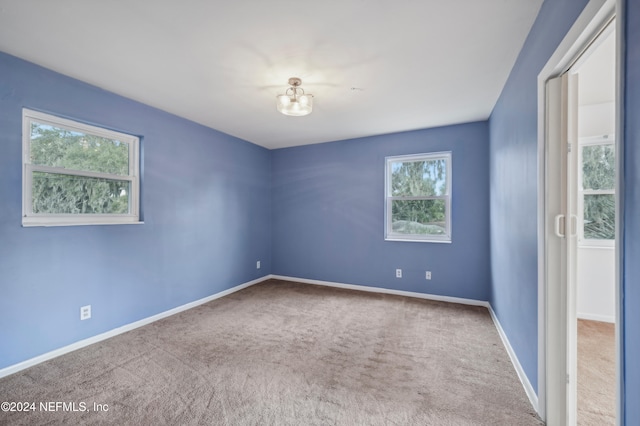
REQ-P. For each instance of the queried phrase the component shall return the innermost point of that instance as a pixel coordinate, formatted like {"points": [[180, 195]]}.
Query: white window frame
{"points": [[582, 142], [29, 218], [389, 235]]}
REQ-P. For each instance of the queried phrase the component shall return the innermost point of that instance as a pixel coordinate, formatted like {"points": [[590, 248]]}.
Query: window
{"points": [[596, 188], [418, 197], [77, 174]]}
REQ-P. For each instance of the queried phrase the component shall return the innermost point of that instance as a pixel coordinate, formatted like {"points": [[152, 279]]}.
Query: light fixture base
{"points": [[295, 81]]}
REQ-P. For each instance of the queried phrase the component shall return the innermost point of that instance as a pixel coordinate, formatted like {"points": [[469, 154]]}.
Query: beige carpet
{"points": [[596, 373], [283, 353]]}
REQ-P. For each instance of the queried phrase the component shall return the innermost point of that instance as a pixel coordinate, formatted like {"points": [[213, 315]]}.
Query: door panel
{"points": [[561, 242]]}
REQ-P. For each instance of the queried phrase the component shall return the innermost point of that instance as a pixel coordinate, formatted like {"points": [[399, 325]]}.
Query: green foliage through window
{"points": [[418, 217], [598, 167], [598, 191], [77, 170], [419, 178], [418, 197], [68, 194], [599, 217]]}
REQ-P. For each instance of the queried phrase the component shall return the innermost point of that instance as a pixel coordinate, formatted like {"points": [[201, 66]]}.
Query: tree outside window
{"points": [[418, 197], [597, 190], [75, 173]]}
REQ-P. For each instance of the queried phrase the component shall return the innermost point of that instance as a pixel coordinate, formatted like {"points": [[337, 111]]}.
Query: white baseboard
{"points": [[526, 384], [596, 317], [116, 331], [123, 329], [460, 300], [531, 394]]}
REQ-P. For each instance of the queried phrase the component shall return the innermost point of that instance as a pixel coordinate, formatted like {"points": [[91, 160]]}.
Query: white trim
{"points": [[415, 240], [29, 218], [593, 16], [603, 140], [596, 317], [621, 24], [128, 327], [389, 235], [526, 384], [600, 246], [123, 329], [383, 290], [35, 223], [82, 173], [609, 139]]}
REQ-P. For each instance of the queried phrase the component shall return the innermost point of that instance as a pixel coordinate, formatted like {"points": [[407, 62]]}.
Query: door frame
{"points": [[552, 357]]}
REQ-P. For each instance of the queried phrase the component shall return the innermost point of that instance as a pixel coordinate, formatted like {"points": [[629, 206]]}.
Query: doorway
{"points": [[578, 142], [594, 198]]}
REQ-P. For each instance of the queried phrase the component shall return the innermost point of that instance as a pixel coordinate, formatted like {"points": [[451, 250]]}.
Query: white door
{"points": [[561, 242], [557, 225]]}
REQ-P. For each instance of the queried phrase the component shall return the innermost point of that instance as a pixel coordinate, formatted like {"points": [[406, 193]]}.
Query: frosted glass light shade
{"points": [[296, 106]]}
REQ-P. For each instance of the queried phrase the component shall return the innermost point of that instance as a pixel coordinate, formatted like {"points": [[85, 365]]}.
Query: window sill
{"points": [[416, 240], [596, 246], [47, 224]]}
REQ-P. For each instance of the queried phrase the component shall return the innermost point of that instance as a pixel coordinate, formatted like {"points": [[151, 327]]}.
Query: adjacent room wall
{"points": [[630, 239], [206, 207], [596, 288], [514, 185], [328, 214]]}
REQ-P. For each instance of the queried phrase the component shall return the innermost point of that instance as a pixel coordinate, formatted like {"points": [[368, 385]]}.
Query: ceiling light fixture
{"points": [[294, 101]]}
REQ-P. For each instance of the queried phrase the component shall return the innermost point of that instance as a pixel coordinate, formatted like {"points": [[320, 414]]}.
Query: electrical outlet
{"points": [[258, 264], [398, 273], [428, 275], [85, 312]]}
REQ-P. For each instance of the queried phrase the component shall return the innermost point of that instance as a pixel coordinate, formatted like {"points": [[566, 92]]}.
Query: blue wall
{"points": [[514, 185], [631, 197], [328, 214], [206, 201]]}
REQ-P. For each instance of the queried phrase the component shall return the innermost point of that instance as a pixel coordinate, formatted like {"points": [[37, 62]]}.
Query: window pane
{"points": [[57, 147], [425, 217], [66, 194], [599, 217], [598, 167], [419, 178]]}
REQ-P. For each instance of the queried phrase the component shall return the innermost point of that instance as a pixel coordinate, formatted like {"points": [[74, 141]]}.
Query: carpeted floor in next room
{"points": [[281, 353]]}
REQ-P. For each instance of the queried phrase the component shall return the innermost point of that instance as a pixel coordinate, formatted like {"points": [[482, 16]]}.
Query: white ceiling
{"points": [[374, 66]]}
